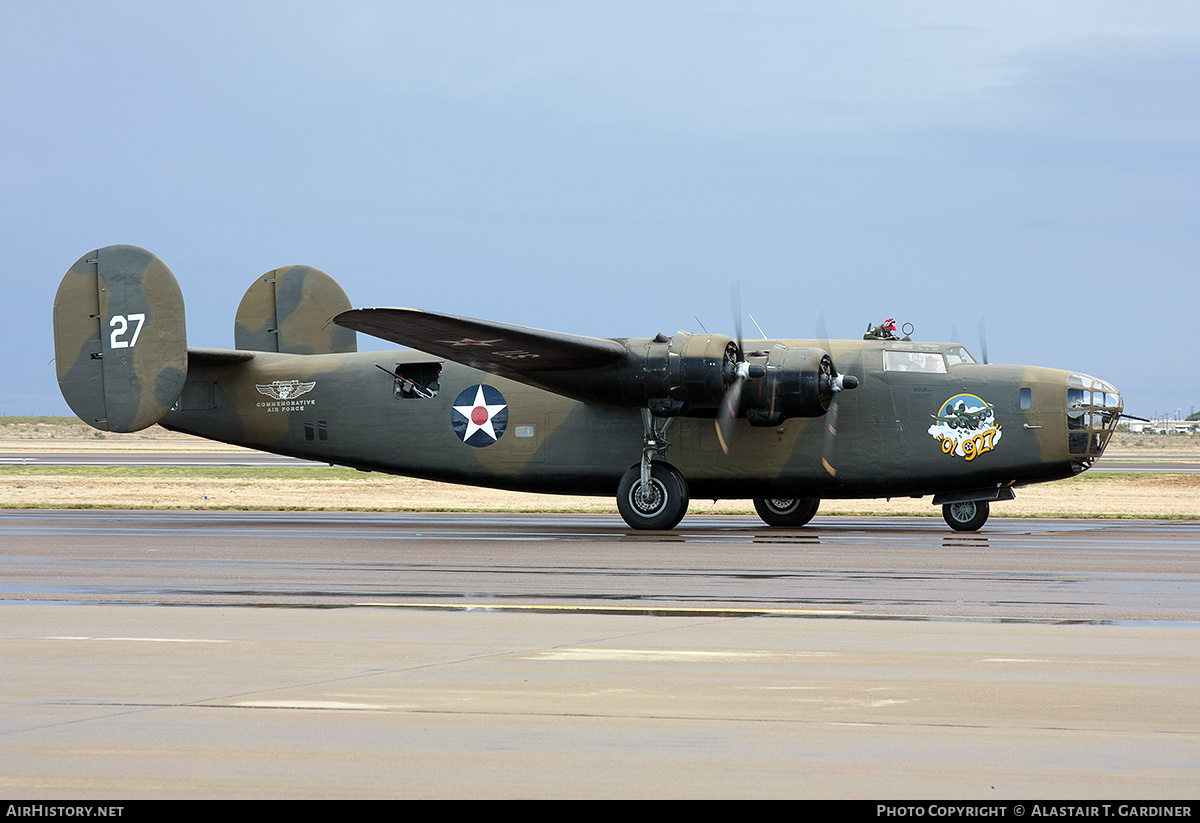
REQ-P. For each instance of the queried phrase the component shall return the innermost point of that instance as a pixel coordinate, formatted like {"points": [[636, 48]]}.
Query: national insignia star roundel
{"points": [[479, 415]]}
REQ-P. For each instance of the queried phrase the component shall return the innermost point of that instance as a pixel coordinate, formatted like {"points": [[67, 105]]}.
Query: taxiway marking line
{"points": [[594, 609], [134, 639]]}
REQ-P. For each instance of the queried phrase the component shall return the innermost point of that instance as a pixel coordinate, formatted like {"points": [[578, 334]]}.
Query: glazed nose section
{"points": [[1093, 409]]}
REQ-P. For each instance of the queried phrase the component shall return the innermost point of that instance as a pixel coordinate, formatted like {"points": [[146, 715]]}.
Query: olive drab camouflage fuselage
{"points": [[509, 407]]}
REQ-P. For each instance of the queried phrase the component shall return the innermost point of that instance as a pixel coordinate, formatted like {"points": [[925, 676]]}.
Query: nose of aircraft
{"points": [[1093, 409]]}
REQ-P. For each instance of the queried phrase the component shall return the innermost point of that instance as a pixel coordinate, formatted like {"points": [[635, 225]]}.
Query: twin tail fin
{"points": [[120, 340]]}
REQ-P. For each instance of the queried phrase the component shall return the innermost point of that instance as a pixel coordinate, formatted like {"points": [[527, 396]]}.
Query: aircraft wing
{"points": [[499, 348]]}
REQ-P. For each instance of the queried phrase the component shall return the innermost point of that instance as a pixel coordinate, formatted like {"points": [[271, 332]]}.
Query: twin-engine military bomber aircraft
{"points": [[488, 404]]}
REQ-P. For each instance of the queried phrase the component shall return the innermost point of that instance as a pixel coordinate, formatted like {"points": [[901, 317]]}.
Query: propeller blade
{"points": [[983, 338], [727, 413], [732, 400], [830, 437], [838, 383], [740, 372], [823, 337], [831, 414], [735, 304]]}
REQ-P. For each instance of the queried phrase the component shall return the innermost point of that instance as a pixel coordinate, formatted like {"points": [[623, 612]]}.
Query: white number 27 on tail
{"points": [[120, 326]]}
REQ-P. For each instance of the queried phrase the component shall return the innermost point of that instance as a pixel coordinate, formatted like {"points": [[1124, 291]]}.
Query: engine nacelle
{"points": [[677, 375], [799, 383]]}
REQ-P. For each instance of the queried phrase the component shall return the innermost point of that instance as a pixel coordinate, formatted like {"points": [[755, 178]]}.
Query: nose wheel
{"points": [[966, 516], [659, 504]]}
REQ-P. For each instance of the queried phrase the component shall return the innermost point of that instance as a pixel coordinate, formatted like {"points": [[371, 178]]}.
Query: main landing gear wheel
{"points": [[967, 516], [665, 504], [788, 513]]}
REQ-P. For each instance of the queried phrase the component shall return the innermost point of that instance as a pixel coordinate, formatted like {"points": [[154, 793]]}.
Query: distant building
{"points": [[1164, 425]]}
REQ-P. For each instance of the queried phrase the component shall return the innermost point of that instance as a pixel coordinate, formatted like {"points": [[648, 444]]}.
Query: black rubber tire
{"points": [[968, 516], [792, 513], [668, 505]]}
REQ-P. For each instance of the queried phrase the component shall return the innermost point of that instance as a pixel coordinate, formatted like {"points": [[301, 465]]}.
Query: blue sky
{"points": [[609, 168]]}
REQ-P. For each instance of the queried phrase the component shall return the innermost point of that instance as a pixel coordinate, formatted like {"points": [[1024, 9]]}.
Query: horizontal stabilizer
{"points": [[497, 348], [200, 358]]}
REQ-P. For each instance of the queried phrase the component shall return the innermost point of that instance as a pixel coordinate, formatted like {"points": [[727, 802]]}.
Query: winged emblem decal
{"points": [[285, 389]]}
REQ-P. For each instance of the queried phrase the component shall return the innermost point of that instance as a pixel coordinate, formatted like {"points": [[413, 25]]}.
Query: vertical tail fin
{"points": [[291, 310], [119, 338]]}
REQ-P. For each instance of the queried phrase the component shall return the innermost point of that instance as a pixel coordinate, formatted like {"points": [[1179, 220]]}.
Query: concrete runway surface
{"points": [[225, 654]]}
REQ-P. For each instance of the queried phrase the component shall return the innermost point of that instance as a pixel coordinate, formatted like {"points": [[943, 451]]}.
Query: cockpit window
{"points": [[914, 361], [957, 355]]}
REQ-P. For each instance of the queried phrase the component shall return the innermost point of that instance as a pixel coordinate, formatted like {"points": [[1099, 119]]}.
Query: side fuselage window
{"points": [[415, 380]]}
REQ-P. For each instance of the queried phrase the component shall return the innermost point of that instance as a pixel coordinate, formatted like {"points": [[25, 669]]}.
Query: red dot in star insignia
{"points": [[479, 415]]}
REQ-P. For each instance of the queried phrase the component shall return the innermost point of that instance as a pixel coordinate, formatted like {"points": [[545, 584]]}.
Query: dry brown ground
{"points": [[1159, 495], [70, 434], [1156, 496]]}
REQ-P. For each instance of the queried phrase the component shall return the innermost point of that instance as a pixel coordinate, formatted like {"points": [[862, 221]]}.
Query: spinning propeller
{"points": [[792, 378], [836, 384], [736, 371]]}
